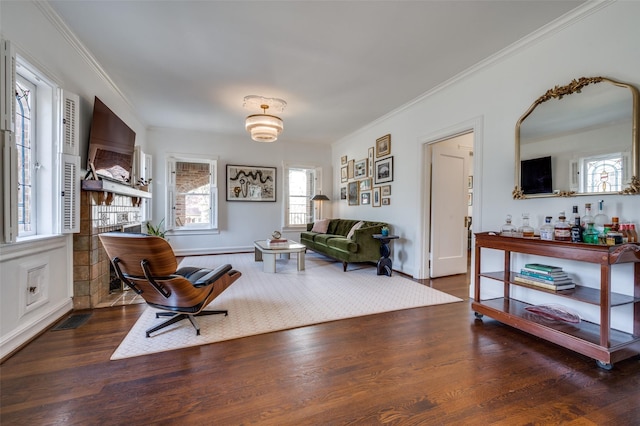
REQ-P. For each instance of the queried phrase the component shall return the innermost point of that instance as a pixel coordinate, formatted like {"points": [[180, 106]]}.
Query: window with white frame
{"points": [[301, 184], [41, 166], [604, 173], [192, 193]]}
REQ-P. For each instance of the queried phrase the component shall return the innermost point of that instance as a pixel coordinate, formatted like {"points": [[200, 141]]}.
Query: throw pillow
{"points": [[353, 229], [321, 226]]}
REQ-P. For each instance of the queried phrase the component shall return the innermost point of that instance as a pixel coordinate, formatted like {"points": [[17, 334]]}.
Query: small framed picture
{"points": [[383, 171], [343, 174], [470, 199], [365, 184], [376, 196], [360, 169], [470, 182], [386, 201], [343, 193], [385, 191], [365, 198], [383, 146], [370, 155], [350, 169], [352, 193], [343, 160]]}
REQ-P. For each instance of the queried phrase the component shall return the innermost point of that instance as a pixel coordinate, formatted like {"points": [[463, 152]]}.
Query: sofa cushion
{"points": [[354, 228], [344, 244], [324, 238], [321, 226]]}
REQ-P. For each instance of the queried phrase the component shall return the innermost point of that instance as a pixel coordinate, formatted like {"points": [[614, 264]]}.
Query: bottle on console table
{"points": [[546, 230], [561, 229], [576, 229]]}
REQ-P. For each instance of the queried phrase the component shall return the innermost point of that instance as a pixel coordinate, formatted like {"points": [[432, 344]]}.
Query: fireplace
{"points": [[91, 268]]}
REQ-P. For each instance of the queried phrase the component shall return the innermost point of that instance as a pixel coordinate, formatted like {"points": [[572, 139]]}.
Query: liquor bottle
{"points": [[546, 230], [576, 229], [615, 224], [633, 235], [587, 218], [526, 230], [624, 232], [600, 219], [590, 235], [561, 229], [508, 230]]}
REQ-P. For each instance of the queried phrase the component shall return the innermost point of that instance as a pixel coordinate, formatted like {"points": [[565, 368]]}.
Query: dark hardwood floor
{"points": [[432, 365]]}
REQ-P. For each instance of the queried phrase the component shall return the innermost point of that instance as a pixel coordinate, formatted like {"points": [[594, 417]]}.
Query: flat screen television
{"points": [[111, 145], [535, 176]]}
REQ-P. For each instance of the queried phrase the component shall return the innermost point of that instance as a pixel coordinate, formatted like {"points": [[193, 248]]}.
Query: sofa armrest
{"points": [[364, 238]]}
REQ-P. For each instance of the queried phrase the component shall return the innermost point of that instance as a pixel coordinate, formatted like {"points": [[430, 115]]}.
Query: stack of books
{"points": [[277, 242], [544, 276]]}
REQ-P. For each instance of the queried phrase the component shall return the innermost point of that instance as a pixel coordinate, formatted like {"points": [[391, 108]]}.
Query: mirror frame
{"points": [[575, 87]]}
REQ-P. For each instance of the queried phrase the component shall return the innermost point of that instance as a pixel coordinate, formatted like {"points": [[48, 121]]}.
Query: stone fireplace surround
{"points": [[99, 212]]}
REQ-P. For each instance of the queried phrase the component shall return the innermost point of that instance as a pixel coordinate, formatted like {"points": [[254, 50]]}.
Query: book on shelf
{"points": [[545, 273], [544, 284], [543, 267], [546, 277]]}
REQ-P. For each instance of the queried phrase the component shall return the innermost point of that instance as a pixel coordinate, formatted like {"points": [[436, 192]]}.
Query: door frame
{"points": [[474, 125]]}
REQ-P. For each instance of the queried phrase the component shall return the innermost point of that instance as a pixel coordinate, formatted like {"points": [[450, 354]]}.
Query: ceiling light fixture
{"points": [[264, 127]]}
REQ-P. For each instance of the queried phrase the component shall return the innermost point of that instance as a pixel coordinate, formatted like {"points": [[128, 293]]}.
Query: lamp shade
{"points": [[320, 197], [264, 127]]}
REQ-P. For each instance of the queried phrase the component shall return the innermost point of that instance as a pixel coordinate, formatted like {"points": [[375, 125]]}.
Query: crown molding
{"points": [[568, 19], [75, 43]]}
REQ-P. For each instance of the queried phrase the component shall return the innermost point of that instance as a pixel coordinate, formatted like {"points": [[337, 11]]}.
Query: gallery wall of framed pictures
{"points": [[367, 181]]}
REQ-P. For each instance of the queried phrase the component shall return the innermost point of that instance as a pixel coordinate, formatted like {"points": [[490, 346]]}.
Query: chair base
{"points": [[176, 317]]}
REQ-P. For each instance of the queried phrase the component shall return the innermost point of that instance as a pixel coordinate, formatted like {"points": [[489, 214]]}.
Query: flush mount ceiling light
{"points": [[264, 127]]}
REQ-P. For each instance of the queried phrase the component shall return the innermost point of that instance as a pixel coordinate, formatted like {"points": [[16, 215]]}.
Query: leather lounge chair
{"points": [[148, 266]]}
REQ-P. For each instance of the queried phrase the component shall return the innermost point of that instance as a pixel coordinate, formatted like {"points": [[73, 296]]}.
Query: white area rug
{"points": [[259, 302]]}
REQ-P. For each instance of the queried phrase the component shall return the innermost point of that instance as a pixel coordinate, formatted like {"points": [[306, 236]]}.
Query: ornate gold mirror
{"points": [[579, 139]]}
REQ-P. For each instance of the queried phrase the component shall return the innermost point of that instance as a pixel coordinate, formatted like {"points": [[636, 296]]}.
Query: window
{"points": [[26, 147], [300, 186], [604, 174], [192, 193]]}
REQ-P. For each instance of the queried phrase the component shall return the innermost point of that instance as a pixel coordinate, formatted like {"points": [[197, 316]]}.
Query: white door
{"points": [[450, 165]]}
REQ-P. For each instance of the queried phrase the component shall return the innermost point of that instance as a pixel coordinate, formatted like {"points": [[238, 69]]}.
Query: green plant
{"points": [[155, 230]]}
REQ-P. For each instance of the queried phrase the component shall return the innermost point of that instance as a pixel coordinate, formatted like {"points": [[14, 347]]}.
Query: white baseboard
{"points": [[27, 331]]}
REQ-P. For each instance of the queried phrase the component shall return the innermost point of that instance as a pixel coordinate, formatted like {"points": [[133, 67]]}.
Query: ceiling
{"points": [[339, 65]]}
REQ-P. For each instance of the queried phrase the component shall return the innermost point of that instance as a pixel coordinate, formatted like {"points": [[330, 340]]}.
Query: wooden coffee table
{"points": [[266, 253]]}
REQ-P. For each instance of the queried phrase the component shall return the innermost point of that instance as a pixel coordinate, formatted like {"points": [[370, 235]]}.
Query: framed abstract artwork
{"points": [[251, 183]]}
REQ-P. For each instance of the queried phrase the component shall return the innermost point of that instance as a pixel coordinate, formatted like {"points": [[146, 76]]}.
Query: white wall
{"points": [[602, 43], [37, 38], [240, 223]]}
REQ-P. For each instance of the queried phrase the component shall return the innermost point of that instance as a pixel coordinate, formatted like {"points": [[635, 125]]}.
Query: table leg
{"points": [[301, 261], [385, 263], [269, 264], [257, 254]]}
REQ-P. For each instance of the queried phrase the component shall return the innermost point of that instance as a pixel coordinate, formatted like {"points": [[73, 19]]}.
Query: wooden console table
{"points": [[597, 341]]}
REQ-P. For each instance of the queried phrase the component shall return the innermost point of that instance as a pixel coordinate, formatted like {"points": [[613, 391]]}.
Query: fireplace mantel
{"points": [[113, 187]]}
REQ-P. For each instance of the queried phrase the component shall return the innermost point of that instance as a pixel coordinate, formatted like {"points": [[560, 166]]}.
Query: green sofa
{"points": [[361, 247]]}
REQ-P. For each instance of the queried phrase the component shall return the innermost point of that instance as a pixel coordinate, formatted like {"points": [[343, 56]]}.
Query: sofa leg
{"points": [[344, 266]]}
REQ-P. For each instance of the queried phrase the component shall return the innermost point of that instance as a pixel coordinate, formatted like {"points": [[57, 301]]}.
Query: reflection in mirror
{"points": [[579, 139]]}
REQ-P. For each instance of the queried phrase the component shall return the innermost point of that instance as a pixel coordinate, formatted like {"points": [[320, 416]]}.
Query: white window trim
{"points": [[171, 159], [285, 205]]}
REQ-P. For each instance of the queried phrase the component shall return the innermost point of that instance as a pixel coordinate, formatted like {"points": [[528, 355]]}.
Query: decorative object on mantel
{"points": [[264, 127], [143, 184]]}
